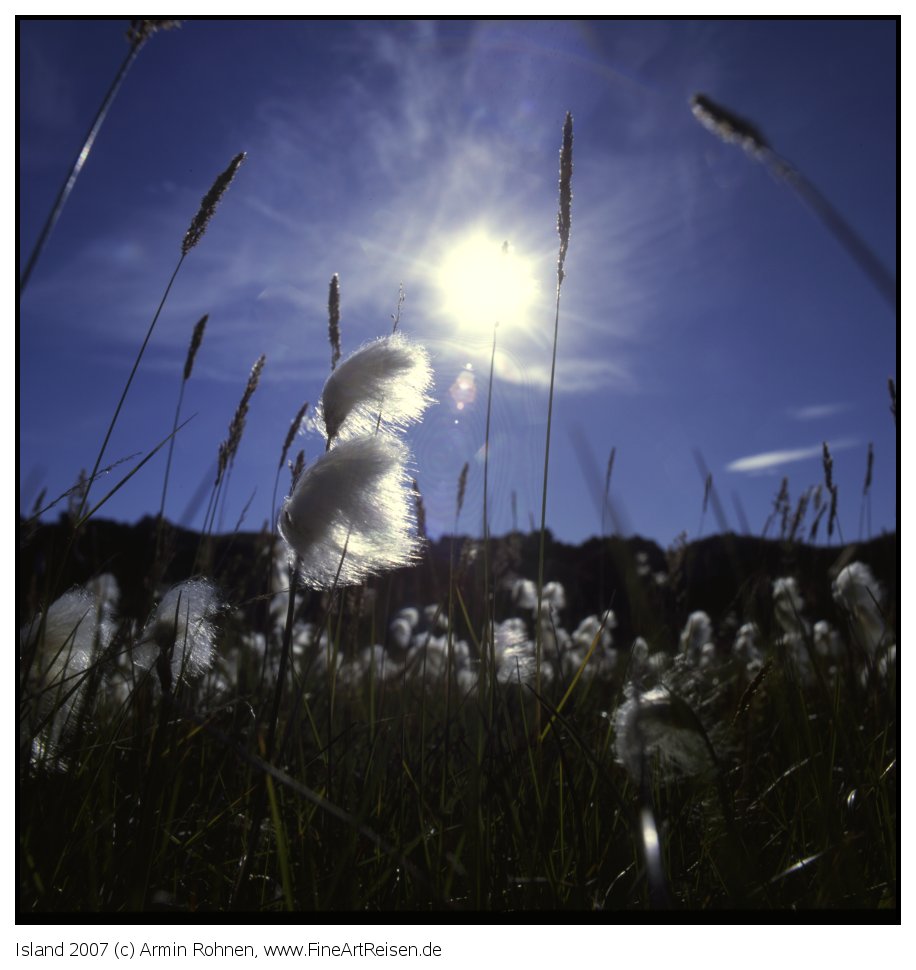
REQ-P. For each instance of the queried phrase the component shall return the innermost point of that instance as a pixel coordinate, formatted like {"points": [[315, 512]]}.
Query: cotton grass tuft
{"points": [[351, 515], [181, 629], [384, 383], [655, 726], [861, 597], [58, 650]]}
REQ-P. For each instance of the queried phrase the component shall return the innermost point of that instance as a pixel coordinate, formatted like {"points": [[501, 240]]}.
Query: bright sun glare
{"points": [[483, 280]]}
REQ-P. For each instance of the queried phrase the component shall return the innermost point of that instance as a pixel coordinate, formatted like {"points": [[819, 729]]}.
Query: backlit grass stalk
{"points": [[149, 455], [780, 508], [459, 503], [295, 471], [710, 495], [334, 319], [820, 508], [607, 489], [191, 238], [572, 684], [488, 606], [140, 31], [196, 340], [707, 486], [731, 128], [865, 509], [287, 444], [267, 751], [74, 493], [604, 508], [488, 636], [79, 522], [833, 491], [229, 448], [563, 227]]}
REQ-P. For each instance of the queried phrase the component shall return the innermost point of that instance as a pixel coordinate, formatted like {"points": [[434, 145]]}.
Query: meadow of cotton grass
{"points": [[334, 715]]}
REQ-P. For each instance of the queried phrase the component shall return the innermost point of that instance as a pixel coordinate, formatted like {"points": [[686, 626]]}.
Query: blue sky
{"points": [[705, 309]]}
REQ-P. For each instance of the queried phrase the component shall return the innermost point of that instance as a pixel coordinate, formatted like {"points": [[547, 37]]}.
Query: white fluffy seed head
{"points": [[410, 614], [588, 630], [183, 624], [655, 726], [518, 664], [401, 632], [856, 586], [553, 596], [351, 511], [789, 606], [827, 641], [58, 654], [696, 634], [746, 648], [74, 626], [861, 597], [388, 377], [525, 594]]}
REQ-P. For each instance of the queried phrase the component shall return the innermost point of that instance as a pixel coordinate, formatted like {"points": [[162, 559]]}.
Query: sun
{"points": [[484, 280]]}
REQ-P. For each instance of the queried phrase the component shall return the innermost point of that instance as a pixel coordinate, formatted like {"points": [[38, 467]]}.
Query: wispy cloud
{"points": [[434, 169], [768, 460], [448, 152], [814, 412]]}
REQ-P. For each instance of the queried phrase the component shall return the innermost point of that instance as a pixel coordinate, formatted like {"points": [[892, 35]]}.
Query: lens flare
{"points": [[463, 391]]}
